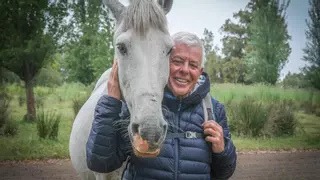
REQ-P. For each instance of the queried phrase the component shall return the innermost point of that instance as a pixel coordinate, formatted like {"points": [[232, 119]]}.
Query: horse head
{"points": [[142, 47]]}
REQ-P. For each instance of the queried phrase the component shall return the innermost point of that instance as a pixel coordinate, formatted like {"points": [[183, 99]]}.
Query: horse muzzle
{"points": [[147, 138]]}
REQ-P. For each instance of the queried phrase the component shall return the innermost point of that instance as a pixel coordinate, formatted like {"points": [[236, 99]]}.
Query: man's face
{"points": [[185, 69]]}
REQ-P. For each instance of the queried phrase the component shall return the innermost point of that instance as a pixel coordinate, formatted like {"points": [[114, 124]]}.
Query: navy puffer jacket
{"points": [[179, 159]]}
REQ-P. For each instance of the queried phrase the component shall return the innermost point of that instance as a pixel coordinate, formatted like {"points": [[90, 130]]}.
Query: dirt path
{"points": [[280, 165]]}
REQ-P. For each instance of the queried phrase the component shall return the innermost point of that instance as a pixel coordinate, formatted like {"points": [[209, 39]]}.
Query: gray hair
{"points": [[190, 39], [144, 14]]}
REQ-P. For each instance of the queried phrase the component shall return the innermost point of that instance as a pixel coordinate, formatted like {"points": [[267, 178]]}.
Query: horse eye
{"points": [[122, 48]]}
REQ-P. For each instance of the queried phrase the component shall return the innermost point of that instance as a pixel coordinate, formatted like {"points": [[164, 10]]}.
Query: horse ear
{"points": [[115, 6], [166, 5]]}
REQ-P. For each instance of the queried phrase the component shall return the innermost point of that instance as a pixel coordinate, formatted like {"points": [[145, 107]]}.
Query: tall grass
{"points": [[247, 117], [305, 100], [4, 108], [261, 110], [8, 127], [78, 102], [48, 124]]}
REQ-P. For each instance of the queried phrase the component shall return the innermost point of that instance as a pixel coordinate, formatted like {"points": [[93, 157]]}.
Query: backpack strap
{"points": [[208, 110], [209, 114]]}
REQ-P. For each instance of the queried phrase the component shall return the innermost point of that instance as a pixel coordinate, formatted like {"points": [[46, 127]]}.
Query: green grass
{"points": [[225, 92], [301, 143], [27, 144]]}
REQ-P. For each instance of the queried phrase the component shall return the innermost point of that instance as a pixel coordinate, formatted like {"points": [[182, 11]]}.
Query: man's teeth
{"points": [[181, 80]]}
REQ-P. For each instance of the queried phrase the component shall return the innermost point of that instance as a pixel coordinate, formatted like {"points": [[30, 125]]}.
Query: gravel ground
{"points": [[251, 165]]}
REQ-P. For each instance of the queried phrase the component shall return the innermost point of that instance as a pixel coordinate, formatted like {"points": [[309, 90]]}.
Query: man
{"points": [[210, 157]]}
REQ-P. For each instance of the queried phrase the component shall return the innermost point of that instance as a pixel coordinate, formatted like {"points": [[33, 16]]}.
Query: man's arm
{"points": [[105, 149], [224, 163]]}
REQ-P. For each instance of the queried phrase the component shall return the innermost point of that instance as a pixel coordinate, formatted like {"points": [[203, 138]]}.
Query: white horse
{"points": [[142, 47]]}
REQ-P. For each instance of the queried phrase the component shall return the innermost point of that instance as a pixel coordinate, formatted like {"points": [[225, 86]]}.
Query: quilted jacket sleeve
{"points": [[224, 163], [105, 148]]}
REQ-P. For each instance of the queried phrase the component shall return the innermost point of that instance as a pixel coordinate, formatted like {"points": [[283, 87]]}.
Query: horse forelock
{"points": [[141, 15]]}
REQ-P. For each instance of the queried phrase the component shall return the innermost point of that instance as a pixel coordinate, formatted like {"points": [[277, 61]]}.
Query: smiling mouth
{"points": [[181, 81]]}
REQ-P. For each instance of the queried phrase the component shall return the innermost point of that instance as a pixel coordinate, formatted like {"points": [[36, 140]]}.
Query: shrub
{"points": [[317, 112], [7, 126], [39, 101], [10, 128], [281, 121], [311, 105], [78, 102], [22, 100], [247, 118], [48, 125], [4, 108], [48, 77]]}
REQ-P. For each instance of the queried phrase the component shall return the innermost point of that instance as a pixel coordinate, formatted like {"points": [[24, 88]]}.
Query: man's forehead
{"points": [[186, 52]]}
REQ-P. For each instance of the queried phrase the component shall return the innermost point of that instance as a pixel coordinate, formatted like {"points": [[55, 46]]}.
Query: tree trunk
{"points": [[31, 109]]}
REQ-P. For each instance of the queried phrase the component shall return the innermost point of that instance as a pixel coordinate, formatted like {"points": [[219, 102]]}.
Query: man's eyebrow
{"points": [[179, 57], [196, 62], [182, 58]]}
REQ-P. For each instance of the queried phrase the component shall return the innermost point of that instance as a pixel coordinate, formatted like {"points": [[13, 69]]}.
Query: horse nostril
{"points": [[157, 137], [151, 134]]}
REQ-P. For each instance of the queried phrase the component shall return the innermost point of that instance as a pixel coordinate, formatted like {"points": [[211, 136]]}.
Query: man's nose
{"points": [[185, 67]]}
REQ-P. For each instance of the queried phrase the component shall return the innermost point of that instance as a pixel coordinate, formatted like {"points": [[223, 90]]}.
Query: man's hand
{"points": [[215, 135], [113, 82]]}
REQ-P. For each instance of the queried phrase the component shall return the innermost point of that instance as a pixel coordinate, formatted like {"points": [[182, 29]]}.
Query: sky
{"points": [[196, 15]]}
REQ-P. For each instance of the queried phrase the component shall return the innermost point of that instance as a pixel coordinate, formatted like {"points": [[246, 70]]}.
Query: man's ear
{"points": [[201, 70]]}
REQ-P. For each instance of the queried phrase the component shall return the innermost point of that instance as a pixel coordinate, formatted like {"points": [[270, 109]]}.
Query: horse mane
{"points": [[141, 15]]}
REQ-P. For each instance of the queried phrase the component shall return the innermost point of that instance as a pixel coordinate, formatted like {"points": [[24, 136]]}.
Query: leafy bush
{"points": [[78, 102], [4, 108], [48, 77], [48, 124], [252, 118], [39, 101], [7, 126], [317, 112], [10, 128], [247, 118], [22, 100], [281, 121]]}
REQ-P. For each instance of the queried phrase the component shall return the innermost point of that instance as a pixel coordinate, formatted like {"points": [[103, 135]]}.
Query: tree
{"points": [[268, 43], [312, 49], [236, 36], [89, 52], [232, 70], [295, 80], [29, 35], [234, 42], [207, 41], [212, 65]]}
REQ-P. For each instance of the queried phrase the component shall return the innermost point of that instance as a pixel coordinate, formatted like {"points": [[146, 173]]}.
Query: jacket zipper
{"points": [[176, 146]]}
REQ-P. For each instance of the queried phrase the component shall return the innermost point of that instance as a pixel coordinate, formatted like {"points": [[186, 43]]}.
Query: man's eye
{"points": [[194, 66], [177, 61]]}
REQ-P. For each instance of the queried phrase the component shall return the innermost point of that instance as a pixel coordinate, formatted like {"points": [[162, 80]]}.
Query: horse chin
{"points": [[142, 147], [146, 154]]}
